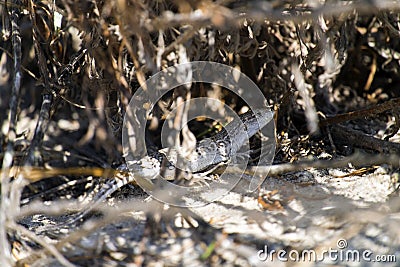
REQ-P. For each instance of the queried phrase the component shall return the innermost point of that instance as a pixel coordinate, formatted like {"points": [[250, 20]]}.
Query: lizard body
{"points": [[209, 152]]}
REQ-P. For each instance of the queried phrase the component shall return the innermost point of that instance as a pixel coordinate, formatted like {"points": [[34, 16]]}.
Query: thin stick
{"points": [[49, 247], [357, 159], [364, 113], [44, 113], [6, 204], [359, 139]]}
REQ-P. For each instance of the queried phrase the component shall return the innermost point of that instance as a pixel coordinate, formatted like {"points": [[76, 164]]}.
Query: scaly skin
{"points": [[209, 152]]}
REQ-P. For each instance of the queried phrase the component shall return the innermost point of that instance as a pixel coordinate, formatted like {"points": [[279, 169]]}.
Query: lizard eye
{"points": [[221, 144]]}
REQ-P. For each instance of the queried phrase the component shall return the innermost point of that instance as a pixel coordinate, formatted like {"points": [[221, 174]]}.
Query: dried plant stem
{"points": [[6, 217], [357, 159], [40, 128], [392, 104], [52, 249], [356, 138], [44, 113]]}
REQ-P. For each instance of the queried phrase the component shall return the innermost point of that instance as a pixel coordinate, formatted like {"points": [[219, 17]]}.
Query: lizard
{"points": [[209, 152]]}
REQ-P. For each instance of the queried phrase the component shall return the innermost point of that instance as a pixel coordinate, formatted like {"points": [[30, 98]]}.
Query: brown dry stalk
{"points": [[392, 104]]}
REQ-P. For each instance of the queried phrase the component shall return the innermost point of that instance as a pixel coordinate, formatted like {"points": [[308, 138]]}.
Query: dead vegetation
{"points": [[329, 69]]}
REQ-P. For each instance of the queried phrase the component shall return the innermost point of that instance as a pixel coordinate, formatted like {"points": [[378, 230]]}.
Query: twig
{"points": [[44, 113], [329, 9], [359, 139], [308, 104], [392, 104], [69, 68], [30, 73], [357, 159], [53, 250], [34, 174], [40, 128], [6, 205], [257, 12], [59, 207]]}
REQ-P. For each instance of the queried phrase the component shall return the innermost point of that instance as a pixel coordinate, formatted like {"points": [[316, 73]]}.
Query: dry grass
{"points": [[64, 88]]}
